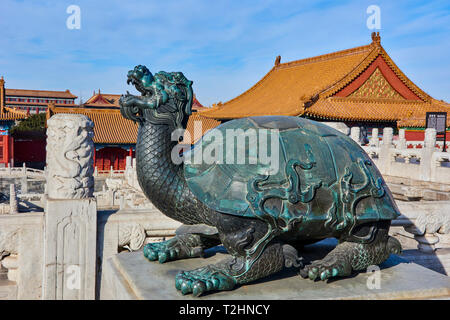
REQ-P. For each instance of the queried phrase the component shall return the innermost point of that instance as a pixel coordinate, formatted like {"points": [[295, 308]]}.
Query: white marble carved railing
{"points": [[394, 158], [416, 144], [406, 154], [428, 222], [22, 172]]}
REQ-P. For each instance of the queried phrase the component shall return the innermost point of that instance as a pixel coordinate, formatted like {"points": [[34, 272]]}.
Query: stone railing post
{"points": [[13, 206], [385, 151], [355, 134], [430, 139], [70, 210], [24, 180], [401, 140], [429, 147], [128, 162], [387, 136], [374, 139]]}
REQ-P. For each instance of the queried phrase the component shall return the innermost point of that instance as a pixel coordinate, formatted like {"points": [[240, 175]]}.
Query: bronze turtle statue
{"points": [[309, 183]]}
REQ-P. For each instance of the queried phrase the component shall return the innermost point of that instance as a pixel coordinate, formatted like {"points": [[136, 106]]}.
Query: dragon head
{"points": [[141, 78], [166, 98]]}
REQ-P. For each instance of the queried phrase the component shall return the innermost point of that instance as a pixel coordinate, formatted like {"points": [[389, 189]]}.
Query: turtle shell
{"points": [[285, 168]]}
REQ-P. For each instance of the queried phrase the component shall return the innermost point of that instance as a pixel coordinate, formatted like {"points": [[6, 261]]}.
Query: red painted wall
{"points": [[3, 149], [29, 151], [411, 135]]}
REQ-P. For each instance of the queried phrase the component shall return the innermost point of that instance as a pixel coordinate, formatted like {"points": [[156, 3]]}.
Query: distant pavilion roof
{"points": [[358, 84], [100, 100]]}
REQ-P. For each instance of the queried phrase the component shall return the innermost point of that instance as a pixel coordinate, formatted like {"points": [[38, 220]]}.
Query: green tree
{"points": [[35, 123]]}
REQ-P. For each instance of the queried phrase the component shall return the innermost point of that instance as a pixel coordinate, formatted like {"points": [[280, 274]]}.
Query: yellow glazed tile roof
{"points": [[360, 109], [11, 114], [418, 119], [287, 86], [197, 126], [109, 125], [306, 87]]}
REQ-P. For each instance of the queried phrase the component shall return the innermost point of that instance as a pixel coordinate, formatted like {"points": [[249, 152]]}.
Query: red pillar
{"points": [[130, 152], [6, 146], [94, 157]]}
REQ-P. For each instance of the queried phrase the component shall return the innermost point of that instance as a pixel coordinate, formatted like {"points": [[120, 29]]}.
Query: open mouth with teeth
{"points": [[137, 83]]}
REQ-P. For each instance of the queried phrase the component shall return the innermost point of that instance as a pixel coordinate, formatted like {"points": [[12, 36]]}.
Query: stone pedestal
{"points": [[128, 230], [131, 276], [70, 249]]}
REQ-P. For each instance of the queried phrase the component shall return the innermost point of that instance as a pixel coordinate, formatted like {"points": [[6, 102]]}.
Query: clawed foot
{"points": [[179, 247], [203, 279], [324, 269]]}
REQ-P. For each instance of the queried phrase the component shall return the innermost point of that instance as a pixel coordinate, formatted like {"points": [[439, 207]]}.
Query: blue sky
{"points": [[223, 46]]}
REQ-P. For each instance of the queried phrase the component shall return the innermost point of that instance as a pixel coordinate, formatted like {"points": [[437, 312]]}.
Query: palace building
{"points": [[8, 117], [17, 105], [35, 101], [361, 86]]}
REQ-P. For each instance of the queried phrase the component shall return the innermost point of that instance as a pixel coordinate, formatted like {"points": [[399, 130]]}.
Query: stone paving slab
{"points": [[132, 276]]}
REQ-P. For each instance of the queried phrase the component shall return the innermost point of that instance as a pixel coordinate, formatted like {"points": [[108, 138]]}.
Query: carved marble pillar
{"points": [[70, 209]]}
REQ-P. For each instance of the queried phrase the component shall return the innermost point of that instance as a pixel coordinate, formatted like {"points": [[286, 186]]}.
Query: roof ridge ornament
{"points": [[277, 60], [313, 99], [376, 39]]}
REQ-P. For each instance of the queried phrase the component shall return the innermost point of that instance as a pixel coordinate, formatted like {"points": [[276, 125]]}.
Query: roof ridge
{"points": [[378, 51], [326, 56], [353, 74], [403, 77], [37, 91], [45, 90], [89, 110]]}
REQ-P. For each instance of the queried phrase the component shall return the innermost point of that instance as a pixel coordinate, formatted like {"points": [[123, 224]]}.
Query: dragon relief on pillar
{"points": [[70, 156]]}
